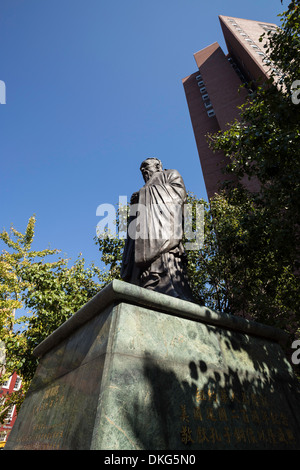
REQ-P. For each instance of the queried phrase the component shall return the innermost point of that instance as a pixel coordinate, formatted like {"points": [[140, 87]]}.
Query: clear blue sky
{"points": [[93, 88]]}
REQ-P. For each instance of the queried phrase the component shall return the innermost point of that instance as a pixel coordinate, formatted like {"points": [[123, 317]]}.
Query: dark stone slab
{"points": [[135, 369]]}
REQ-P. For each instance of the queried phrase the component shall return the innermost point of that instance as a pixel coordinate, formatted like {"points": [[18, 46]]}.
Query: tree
{"points": [[12, 286], [48, 292], [264, 144]]}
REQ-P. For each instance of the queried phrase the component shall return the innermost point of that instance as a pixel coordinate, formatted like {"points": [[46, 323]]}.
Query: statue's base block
{"points": [[135, 369]]}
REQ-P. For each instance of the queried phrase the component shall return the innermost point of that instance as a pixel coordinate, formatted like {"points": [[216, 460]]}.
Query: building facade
{"points": [[214, 92], [13, 384]]}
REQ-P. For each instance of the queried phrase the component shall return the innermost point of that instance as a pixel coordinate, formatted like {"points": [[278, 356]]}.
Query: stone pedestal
{"points": [[135, 369]]}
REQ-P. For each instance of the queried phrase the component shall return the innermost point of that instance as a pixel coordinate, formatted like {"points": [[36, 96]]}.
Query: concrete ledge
{"points": [[119, 291]]}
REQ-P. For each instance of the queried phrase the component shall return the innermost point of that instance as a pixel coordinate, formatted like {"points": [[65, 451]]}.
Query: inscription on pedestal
{"points": [[231, 419]]}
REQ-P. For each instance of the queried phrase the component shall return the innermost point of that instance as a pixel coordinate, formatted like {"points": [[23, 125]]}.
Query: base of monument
{"points": [[139, 370]]}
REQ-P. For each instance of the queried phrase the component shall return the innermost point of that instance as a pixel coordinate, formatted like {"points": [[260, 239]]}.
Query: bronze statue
{"points": [[154, 255]]}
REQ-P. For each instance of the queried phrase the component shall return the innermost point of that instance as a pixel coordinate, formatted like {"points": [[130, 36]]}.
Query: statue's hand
{"points": [[134, 198]]}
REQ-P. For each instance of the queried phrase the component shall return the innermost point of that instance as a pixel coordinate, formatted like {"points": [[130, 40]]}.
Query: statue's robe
{"points": [[153, 255]]}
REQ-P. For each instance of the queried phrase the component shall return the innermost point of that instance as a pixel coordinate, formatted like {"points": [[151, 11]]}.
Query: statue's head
{"points": [[149, 166]]}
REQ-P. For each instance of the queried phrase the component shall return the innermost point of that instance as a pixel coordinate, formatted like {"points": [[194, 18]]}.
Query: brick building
{"points": [[11, 385], [214, 92]]}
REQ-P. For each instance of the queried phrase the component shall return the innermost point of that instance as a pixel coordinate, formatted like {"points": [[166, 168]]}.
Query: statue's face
{"points": [[148, 169]]}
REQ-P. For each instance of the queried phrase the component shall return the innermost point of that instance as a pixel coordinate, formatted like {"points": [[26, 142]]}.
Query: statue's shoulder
{"points": [[172, 173]]}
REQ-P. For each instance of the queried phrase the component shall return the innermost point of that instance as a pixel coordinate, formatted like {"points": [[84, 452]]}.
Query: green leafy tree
{"points": [[263, 144], [48, 293], [12, 286]]}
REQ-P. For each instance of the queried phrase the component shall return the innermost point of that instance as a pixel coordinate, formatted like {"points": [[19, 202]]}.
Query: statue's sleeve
{"points": [[160, 216]]}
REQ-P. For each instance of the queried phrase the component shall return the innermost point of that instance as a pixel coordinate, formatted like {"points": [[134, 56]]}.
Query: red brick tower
{"points": [[213, 93]]}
